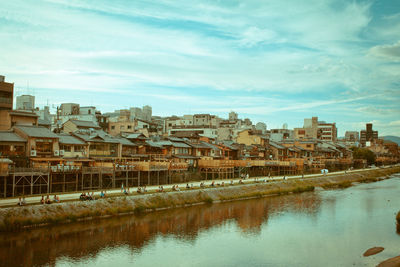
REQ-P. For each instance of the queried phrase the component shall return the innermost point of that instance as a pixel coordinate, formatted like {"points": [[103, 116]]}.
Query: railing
{"points": [[5, 100]]}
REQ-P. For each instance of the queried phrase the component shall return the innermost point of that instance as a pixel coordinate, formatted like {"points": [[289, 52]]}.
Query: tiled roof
{"points": [[180, 144], [136, 136], [43, 122], [36, 131], [84, 124], [276, 145], [9, 136], [70, 140], [125, 141]]}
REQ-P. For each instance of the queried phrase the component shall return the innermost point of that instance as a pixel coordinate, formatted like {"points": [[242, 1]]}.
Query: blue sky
{"points": [[270, 61]]}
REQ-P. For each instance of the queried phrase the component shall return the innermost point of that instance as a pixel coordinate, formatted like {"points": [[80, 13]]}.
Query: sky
{"points": [[271, 61]]}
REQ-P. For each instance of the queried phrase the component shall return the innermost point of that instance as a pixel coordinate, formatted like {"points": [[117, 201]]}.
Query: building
{"points": [[202, 120], [278, 135], [352, 136], [69, 109], [10, 118], [260, 126], [147, 112], [25, 102], [233, 116], [72, 147], [6, 94], [249, 137], [368, 135], [314, 129], [41, 142], [327, 131], [74, 125]]}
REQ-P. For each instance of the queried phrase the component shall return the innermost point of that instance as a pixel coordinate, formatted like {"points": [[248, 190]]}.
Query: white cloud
{"points": [[391, 52]]}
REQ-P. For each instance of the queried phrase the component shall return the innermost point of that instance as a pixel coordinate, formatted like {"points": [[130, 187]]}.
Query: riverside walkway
{"points": [[7, 202]]}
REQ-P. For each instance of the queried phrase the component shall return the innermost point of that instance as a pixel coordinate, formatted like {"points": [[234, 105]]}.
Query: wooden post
{"points": [[63, 180], [76, 182], [148, 177], [100, 179], [5, 186], [127, 185], [32, 184], [91, 180], [113, 177], [158, 177], [138, 178]]}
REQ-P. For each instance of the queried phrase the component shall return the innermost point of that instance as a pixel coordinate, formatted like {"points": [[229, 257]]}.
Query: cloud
{"points": [[260, 57], [391, 52]]}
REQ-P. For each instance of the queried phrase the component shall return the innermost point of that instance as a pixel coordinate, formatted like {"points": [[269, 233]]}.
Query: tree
{"points": [[364, 153]]}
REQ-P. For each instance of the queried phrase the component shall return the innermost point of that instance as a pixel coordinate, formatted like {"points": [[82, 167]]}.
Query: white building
{"points": [[25, 102]]}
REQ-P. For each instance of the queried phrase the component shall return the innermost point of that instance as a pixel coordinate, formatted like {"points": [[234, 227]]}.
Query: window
{"points": [[113, 127], [44, 147], [66, 148], [79, 148], [129, 126]]}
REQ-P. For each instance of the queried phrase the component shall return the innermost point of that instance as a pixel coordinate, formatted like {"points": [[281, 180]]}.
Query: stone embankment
{"points": [[16, 218]]}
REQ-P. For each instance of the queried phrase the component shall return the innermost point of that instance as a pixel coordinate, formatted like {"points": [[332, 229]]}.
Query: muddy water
{"points": [[321, 228]]}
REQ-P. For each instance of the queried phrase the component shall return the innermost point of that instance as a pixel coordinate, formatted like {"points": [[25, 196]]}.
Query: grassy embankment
{"points": [[19, 217]]}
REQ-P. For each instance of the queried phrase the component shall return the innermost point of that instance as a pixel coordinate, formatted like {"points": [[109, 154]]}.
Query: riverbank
{"points": [[16, 218]]}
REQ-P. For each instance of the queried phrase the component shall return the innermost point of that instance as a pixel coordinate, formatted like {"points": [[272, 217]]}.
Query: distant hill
{"points": [[392, 138]]}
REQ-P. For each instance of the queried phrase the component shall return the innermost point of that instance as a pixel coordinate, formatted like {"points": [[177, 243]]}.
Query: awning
{"points": [[47, 159]]}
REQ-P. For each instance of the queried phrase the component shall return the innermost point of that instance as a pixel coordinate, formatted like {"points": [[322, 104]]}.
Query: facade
{"points": [[327, 131], [10, 118], [12, 145], [41, 142], [74, 125], [368, 135], [6, 94], [25, 102], [233, 116], [72, 147], [69, 109], [248, 138], [202, 120], [352, 136]]}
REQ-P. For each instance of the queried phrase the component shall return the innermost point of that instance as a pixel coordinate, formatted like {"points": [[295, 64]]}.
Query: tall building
{"points": [[69, 109], [317, 129], [147, 112], [233, 116], [327, 131], [6, 94], [25, 102], [368, 135], [352, 136]]}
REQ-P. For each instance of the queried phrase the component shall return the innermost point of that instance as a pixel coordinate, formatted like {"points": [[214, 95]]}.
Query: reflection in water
{"points": [[83, 240], [322, 228]]}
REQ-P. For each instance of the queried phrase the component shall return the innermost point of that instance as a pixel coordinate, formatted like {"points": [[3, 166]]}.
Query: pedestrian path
{"points": [[195, 184]]}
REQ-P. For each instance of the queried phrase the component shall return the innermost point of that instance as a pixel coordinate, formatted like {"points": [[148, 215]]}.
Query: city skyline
{"points": [[274, 63]]}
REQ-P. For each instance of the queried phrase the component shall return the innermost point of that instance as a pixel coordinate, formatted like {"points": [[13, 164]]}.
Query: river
{"points": [[320, 228]]}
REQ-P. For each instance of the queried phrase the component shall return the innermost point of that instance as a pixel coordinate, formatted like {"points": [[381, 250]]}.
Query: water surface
{"points": [[321, 228]]}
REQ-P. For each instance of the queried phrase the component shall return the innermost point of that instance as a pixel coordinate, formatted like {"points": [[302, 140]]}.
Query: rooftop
{"points": [[36, 131], [10, 136]]}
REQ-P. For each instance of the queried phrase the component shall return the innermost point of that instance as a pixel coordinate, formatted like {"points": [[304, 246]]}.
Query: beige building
{"points": [[248, 137], [72, 147], [6, 94], [10, 118], [71, 126], [41, 142]]}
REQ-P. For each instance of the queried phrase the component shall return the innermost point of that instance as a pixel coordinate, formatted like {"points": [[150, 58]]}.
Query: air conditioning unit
{"points": [[33, 153], [56, 153], [62, 152]]}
